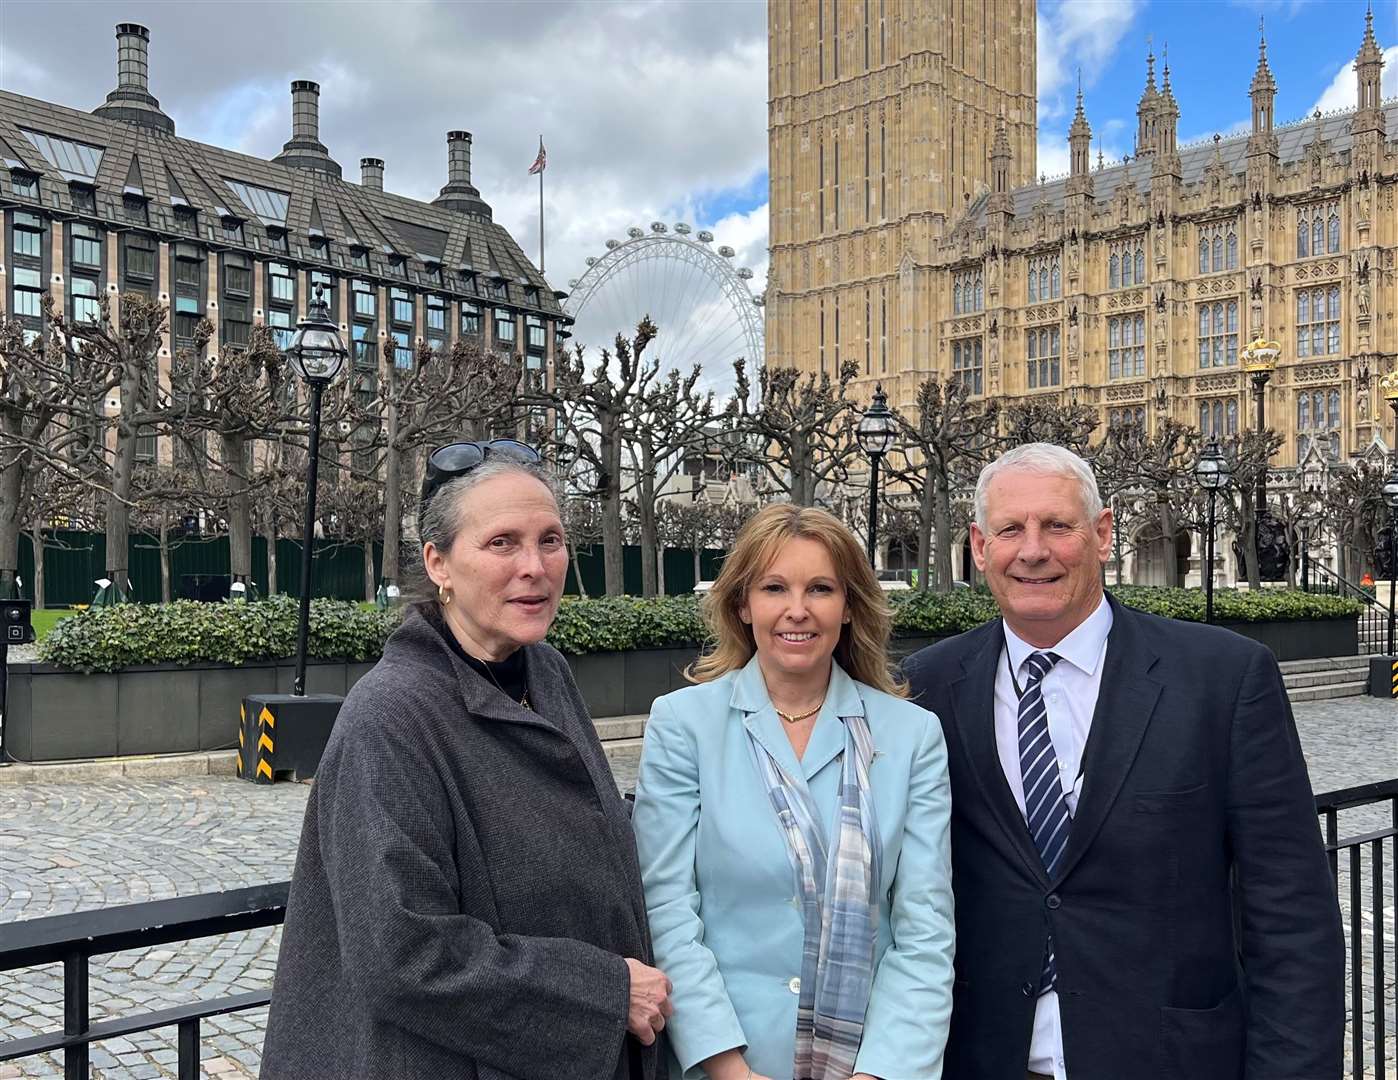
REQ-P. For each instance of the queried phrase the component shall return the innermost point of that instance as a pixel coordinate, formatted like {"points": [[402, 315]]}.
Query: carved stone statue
{"points": [[1364, 205], [1073, 337], [993, 272], [1160, 242], [1073, 258], [1362, 403], [1364, 296]]}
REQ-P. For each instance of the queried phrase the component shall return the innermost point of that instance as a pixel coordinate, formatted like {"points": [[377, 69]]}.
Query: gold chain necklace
{"points": [[524, 698], [790, 719]]}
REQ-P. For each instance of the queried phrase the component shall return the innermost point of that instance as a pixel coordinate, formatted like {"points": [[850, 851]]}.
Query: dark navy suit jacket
{"points": [[1195, 924]]}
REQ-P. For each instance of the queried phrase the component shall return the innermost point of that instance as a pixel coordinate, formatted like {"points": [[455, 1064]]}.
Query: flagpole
{"points": [[541, 212]]}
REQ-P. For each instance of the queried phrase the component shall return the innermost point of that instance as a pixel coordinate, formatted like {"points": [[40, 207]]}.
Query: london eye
{"points": [[702, 303]]}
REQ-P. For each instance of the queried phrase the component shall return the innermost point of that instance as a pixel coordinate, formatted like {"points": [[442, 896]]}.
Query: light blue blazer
{"points": [[721, 894]]}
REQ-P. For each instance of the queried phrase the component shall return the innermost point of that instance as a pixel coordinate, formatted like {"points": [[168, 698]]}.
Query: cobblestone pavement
{"points": [[70, 847]]}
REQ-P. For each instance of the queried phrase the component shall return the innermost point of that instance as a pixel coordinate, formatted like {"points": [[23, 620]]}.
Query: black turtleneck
{"points": [[507, 675]]}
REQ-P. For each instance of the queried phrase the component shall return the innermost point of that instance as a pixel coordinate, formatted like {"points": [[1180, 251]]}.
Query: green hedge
{"points": [[184, 632]]}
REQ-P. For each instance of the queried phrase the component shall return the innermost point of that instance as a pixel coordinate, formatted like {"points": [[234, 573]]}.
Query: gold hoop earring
{"points": [[443, 595]]}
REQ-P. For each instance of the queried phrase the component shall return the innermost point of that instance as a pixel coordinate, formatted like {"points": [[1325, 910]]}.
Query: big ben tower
{"points": [[882, 117]]}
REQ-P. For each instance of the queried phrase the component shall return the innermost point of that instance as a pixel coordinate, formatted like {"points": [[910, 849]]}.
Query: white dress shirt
{"points": [[1070, 696]]}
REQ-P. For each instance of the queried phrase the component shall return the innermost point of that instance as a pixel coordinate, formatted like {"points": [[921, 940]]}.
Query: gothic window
{"points": [[1130, 416], [1318, 229], [1044, 357], [966, 364], [1218, 418], [1127, 263], [1318, 420], [1218, 334], [1045, 282], [883, 323], [1318, 321], [1218, 247], [1126, 346], [822, 335], [967, 293]]}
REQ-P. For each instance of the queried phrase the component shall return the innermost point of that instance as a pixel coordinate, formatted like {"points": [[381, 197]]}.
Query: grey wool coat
{"points": [[466, 887]]}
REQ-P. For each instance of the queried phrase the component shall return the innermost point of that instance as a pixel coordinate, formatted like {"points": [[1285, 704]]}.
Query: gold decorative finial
{"points": [[1389, 385], [1259, 355]]}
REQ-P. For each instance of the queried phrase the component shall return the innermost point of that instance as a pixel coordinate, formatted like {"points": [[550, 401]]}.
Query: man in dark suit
{"points": [[1141, 887]]}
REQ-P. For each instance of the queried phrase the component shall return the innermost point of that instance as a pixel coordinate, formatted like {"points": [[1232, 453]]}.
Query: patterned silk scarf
{"points": [[841, 912]]}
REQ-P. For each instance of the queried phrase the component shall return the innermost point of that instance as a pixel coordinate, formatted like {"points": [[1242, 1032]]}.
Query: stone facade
{"points": [[1130, 287]]}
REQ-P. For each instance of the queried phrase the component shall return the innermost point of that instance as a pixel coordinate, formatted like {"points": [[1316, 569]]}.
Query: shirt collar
{"points": [[750, 691], [1082, 647]]}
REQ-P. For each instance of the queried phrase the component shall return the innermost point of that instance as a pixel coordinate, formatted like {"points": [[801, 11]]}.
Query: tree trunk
{"points": [[370, 581], [1247, 539], [802, 483], [234, 451], [941, 528], [698, 557], [610, 446], [119, 512], [165, 556], [270, 537], [645, 501], [10, 477], [392, 500], [1116, 544], [1167, 534], [36, 540], [577, 571]]}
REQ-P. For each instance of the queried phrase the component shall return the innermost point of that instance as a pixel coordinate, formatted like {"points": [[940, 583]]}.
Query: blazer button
{"points": [[1027, 989], [794, 986], [1052, 902]]}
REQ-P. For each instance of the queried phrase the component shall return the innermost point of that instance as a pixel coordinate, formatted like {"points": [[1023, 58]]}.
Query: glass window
{"points": [[267, 204], [1318, 321], [504, 326], [23, 183], [87, 244], [282, 281], [1126, 346], [402, 349], [187, 273], [187, 220], [140, 256], [436, 318], [966, 364], [28, 289], [967, 293], [233, 230], [28, 235], [365, 345], [359, 258], [84, 199], [402, 302], [1218, 334], [86, 307], [133, 208], [75, 160], [470, 319], [280, 322], [327, 282], [365, 300], [538, 333]]}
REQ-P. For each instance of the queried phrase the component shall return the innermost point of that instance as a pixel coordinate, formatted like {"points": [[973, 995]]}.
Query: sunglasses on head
{"points": [[446, 463]]}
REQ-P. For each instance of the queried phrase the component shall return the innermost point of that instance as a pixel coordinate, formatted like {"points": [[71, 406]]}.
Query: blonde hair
{"points": [[862, 650]]}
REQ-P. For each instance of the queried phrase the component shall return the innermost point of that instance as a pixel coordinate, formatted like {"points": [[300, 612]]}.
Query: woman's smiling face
{"points": [[797, 609]]}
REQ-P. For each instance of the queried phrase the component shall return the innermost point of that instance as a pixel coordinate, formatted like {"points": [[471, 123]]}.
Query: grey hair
{"points": [[440, 521], [1041, 459]]}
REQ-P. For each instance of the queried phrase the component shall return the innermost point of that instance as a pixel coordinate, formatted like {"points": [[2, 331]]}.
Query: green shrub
{"points": [[185, 632]]}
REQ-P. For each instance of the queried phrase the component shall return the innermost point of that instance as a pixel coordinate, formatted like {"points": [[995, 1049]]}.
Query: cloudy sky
{"points": [[651, 109]]}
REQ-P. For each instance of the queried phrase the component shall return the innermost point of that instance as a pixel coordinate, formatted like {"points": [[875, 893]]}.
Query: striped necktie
{"points": [[1045, 808]]}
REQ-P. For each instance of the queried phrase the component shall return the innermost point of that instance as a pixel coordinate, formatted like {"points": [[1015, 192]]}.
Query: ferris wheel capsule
{"points": [[635, 233]]}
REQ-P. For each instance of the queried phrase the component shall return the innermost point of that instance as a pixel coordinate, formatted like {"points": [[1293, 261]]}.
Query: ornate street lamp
{"points": [[316, 354], [1259, 359], [876, 429], [1213, 472]]}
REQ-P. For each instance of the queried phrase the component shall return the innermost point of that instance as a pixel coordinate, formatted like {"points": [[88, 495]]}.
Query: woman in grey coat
{"points": [[466, 901]]}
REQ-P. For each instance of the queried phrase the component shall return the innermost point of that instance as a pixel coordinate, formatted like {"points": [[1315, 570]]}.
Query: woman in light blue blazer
{"points": [[792, 819]]}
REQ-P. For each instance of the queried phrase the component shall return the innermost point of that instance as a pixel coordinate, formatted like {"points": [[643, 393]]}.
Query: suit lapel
{"points": [[1125, 704], [973, 701]]}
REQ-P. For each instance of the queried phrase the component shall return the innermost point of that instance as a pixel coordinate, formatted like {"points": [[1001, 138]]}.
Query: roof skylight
{"points": [[75, 160], [267, 204]]}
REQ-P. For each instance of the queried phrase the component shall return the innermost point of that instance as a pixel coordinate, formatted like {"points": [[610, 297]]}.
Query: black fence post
{"points": [[189, 1049], [75, 1013]]}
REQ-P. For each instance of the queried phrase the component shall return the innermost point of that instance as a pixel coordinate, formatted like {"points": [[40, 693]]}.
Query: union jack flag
{"points": [[541, 161]]}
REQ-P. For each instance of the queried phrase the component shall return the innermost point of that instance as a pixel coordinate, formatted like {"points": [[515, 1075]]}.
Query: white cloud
{"points": [[1343, 91], [1075, 34]]}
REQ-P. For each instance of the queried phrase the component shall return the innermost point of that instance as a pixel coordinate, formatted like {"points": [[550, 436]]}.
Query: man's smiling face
{"points": [[1040, 554]]}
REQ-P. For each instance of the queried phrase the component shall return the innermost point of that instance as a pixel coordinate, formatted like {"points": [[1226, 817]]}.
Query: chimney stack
{"points": [[459, 194], [305, 150], [133, 62], [131, 101], [305, 111], [459, 158], [371, 173]]}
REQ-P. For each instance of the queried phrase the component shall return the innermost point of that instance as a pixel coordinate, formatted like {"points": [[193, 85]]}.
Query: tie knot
{"points": [[1038, 664]]}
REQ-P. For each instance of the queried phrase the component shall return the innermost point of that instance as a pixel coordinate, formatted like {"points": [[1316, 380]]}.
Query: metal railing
{"points": [[1373, 988], [1373, 620], [1360, 884], [73, 940]]}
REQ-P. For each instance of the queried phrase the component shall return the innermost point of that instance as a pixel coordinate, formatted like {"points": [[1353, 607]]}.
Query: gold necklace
{"points": [[523, 699], [790, 719]]}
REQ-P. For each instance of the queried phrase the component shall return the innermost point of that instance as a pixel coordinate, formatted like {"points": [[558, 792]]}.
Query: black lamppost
{"points": [[315, 353], [1212, 471], [1259, 359], [875, 431]]}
